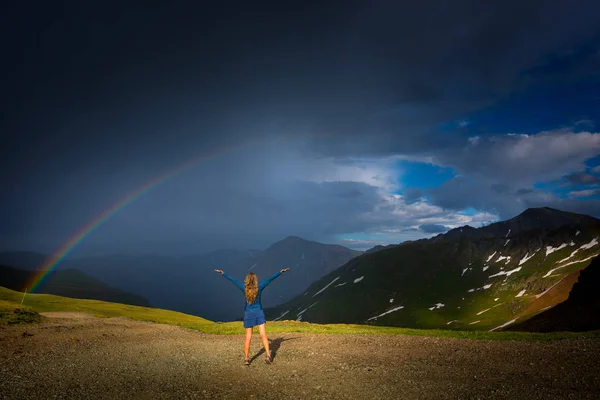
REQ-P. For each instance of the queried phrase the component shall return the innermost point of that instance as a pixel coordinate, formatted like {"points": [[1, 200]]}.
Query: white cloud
{"points": [[584, 193], [380, 173], [474, 140], [522, 159]]}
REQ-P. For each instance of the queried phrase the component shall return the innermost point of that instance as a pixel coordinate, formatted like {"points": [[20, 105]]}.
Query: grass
{"points": [[11, 312]]}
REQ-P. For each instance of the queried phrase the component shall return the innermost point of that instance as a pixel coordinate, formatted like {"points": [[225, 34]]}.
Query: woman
{"points": [[254, 314]]}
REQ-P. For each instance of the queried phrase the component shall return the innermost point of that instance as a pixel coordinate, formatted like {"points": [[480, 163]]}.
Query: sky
{"points": [[348, 122]]}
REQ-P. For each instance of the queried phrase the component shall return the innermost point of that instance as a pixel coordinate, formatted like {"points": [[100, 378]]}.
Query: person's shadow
{"points": [[274, 345]]}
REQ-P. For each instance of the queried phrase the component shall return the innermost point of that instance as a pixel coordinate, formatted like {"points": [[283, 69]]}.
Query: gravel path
{"points": [[114, 358]]}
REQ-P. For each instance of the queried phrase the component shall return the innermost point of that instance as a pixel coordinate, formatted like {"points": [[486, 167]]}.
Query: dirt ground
{"points": [[75, 356]]}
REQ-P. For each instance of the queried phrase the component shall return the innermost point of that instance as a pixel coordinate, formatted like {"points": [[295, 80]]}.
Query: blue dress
{"points": [[253, 314]]}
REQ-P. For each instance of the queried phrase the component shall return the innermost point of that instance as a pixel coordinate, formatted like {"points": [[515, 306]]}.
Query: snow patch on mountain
{"points": [[586, 246], [358, 279], [490, 257], [502, 258], [504, 324], [507, 273], [438, 305], [521, 293], [526, 258], [299, 316], [387, 312], [550, 249], [330, 283], [278, 318], [570, 263]]}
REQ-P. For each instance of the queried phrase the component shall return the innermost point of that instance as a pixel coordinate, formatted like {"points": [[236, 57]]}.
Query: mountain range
{"points": [[526, 273], [70, 283], [190, 285], [468, 278]]}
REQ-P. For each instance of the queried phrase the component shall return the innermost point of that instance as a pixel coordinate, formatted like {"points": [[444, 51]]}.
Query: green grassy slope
{"points": [[459, 282], [11, 309]]}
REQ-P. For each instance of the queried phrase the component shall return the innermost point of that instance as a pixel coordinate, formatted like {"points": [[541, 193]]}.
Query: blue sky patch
{"points": [[423, 175], [543, 107]]}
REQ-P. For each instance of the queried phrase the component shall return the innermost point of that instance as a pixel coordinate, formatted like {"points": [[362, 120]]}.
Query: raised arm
{"points": [[264, 283], [237, 283]]}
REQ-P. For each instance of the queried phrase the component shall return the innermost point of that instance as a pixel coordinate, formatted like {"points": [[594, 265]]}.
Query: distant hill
{"points": [[307, 260], [190, 285], [69, 283], [485, 278], [380, 247], [542, 219]]}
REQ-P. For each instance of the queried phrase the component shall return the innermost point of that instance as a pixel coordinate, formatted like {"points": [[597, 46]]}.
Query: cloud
{"points": [[585, 122], [433, 228], [582, 178], [584, 193], [374, 89], [498, 173], [272, 194], [412, 194], [522, 159]]}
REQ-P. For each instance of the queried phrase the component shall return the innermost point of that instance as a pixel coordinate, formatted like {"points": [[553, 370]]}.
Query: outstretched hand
{"points": [[283, 270], [220, 271]]}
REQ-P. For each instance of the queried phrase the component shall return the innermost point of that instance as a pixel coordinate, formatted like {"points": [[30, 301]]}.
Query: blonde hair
{"points": [[251, 286]]}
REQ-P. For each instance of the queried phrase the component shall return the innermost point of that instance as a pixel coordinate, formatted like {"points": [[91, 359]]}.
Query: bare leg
{"points": [[247, 342], [263, 336]]}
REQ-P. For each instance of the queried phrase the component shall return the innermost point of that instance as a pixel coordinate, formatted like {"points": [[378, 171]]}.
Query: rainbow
{"points": [[52, 262]]}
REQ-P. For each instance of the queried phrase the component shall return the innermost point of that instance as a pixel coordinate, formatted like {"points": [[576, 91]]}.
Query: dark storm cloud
{"points": [[433, 228], [412, 194], [205, 73], [582, 178], [101, 97]]}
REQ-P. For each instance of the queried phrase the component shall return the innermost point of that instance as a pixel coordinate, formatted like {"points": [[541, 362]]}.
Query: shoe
{"points": [[246, 362], [268, 360]]}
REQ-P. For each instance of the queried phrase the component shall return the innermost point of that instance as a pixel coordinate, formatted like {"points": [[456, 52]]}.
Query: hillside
{"points": [[308, 261], [484, 279], [579, 312], [188, 284], [69, 283]]}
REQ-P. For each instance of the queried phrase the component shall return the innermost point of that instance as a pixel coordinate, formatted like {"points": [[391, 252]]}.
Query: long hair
{"points": [[251, 286]]}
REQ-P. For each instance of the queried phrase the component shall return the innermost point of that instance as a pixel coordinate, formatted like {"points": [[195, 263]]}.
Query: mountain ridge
{"points": [[69, 282], [189, 284], [462, 280]]}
